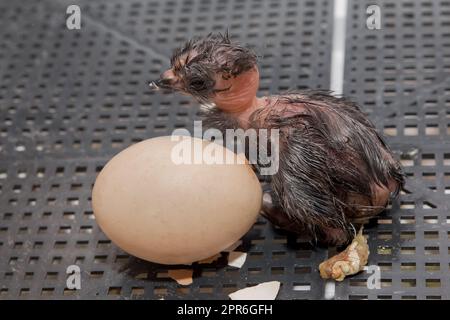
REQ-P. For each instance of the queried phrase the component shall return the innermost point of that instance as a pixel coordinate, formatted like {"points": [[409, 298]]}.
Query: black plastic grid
{"points": [[400, 74], [70, 99]]}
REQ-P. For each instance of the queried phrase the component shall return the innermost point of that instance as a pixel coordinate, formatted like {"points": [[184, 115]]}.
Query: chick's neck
{"points": [[240, 101]]}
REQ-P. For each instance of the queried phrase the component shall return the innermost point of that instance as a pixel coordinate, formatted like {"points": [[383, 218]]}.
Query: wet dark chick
{"points": [[334, 172]]}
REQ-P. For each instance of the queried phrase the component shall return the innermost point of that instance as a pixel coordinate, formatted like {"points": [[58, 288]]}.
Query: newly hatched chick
{"points": [[334, 168]]}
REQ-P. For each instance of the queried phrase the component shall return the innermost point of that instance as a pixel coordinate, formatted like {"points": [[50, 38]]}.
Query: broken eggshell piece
{"points": [[236, 259], [182, 276], [263, 291]]}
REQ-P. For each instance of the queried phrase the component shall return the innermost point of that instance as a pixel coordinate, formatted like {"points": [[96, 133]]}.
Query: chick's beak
{"points": [[167, 81]]}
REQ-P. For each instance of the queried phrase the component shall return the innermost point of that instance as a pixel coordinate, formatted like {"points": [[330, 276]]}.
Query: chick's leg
{"points": [[275, 214], [325, 235]]}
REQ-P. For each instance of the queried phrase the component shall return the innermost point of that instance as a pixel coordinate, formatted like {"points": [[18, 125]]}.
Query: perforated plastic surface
{"points": [[401, 75], [71, 99]]}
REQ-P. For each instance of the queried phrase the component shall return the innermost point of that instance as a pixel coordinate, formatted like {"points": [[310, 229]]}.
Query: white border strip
{"points": [[338, 48], [337, 81]]}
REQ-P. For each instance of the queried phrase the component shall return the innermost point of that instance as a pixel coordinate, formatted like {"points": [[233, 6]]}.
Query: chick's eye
{"points": [[197, 84]]}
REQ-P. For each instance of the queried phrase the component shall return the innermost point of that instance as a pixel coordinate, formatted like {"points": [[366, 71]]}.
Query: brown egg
{"points": [[162, 211]]}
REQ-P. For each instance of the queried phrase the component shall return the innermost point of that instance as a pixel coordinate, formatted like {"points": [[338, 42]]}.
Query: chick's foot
{"points": [[350, 261]]}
